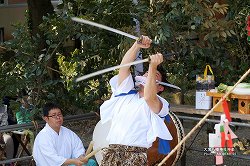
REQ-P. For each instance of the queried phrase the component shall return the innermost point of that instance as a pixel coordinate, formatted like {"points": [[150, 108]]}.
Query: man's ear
{"points": [[45, 118]]}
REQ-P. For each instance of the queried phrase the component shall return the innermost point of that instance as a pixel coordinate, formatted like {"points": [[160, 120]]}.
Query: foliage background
{"points": [[47, 62]]}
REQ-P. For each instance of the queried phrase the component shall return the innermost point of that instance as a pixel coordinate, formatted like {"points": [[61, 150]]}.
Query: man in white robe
{"points": [[56, 145], [135, 115]]}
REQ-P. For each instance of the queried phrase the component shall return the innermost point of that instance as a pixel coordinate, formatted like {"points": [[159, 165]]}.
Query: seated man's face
{"points": [[54, 118]]}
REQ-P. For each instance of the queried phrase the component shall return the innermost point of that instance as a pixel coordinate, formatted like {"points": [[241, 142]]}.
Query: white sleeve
{"points": [[158, 127], [44, 152], [124, 87], [165, 107], [78, 148]]}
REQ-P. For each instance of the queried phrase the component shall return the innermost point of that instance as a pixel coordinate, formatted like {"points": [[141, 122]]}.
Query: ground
{"points": [[193, 158]]}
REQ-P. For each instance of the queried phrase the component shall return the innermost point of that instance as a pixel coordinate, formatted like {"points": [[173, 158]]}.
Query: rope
{"points": [[202, 120]]}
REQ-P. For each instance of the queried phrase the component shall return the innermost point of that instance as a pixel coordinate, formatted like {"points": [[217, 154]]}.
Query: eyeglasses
{"points": [[55, 116]]}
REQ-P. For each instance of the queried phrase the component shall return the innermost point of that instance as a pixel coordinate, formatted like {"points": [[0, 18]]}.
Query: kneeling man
{"points": [[56, 145]]}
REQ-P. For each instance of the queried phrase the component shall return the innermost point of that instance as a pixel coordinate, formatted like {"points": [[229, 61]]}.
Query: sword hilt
{"points": [[168, 56], [139, 40]]}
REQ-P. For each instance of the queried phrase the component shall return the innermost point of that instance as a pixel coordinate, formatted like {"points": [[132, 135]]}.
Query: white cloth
{"points": [[140, 80], [3, 115], [53, 149], [133, 123]]}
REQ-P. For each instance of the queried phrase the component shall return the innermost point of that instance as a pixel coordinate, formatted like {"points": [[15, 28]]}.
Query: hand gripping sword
{"points": [[80, 20]]}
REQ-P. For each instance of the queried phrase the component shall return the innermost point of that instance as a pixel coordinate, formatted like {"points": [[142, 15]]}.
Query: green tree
{"points": [[202, 31]]}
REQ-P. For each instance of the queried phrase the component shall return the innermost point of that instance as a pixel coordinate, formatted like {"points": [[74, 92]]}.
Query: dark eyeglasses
{"points": [[55, 116]]}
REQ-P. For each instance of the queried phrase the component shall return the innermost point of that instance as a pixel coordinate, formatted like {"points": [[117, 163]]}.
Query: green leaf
{"points": [[53, 45], [232, 32], [228, 33], [206, 25], [206, 37], [48, 83], [33, 69], [38, 72], [173, 4], [48, 42], [223, 34], [78, 35], [47, 57], [51, 96], [216, 5], [200, 51]]}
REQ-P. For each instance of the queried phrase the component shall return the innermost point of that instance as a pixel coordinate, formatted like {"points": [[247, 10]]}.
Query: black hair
{"points": [[6, 101], [48, 107], [163, 77], [163, 73]]}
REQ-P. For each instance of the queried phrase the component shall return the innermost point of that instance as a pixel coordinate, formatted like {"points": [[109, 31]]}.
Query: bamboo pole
{"points": [[91, 154], [91, 144]]}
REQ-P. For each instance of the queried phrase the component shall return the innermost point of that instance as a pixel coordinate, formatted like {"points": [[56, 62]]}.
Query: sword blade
{"points": [[169, 85], [109, 69], [119, 66], [80, 20]]}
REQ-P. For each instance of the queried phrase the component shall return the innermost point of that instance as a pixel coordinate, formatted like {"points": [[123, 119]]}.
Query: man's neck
{"points": [[57, 130], [141, 92]]}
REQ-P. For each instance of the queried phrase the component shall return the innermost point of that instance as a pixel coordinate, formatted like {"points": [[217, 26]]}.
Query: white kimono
{"points": [[133, 123], [51, 149]]}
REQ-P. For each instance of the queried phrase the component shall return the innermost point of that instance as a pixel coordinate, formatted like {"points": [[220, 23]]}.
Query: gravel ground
{"points": [[196, 157]]}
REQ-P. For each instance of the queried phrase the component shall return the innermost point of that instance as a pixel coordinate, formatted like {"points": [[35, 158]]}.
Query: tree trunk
{"points": [[38, 9]]}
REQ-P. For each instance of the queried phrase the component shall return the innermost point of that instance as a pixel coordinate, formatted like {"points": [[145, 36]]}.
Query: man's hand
{"points": [[75, 161], [83, 159], [156, 59], [130, 56], [78, 162], [144, 42]]}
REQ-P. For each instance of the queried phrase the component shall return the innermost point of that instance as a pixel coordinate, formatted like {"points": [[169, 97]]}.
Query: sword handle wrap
{"points": [[139, 40], [170, 56], [167, 56]]}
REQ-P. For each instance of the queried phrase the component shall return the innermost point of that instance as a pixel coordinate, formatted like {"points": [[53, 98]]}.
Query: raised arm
{"points": [[151, 88], [131, 55]]}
